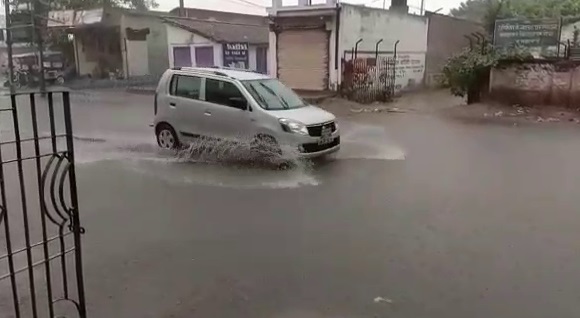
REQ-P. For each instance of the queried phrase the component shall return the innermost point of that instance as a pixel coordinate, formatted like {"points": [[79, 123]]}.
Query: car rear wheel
{"points": [[166, 137]]}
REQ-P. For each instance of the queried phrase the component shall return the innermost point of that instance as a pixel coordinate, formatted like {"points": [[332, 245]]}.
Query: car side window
{"points": [[185, 86], [222, 93]]}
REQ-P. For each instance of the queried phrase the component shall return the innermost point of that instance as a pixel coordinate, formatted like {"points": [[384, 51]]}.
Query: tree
{"points": [[482, 11], [142, 5], [476, 9], [465, 72]]}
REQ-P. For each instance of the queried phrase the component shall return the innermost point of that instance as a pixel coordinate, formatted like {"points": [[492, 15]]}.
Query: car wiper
{"points": [[258, 96], [284, 103]]}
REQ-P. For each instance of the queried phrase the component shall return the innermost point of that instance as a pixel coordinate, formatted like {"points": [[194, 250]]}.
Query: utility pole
{"points": [[422, 7], [9, 45], [38, 15], [181, 8]]}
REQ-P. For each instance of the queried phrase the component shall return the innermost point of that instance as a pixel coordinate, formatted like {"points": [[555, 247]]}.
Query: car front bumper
{"points": [[309, 147]]}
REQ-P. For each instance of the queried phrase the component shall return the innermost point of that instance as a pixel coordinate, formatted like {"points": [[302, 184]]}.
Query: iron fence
{"points": [[369, 79], [40, 233]]}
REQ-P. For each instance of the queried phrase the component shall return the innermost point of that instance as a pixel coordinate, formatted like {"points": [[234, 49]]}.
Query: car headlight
{"points": [[293, 126]]}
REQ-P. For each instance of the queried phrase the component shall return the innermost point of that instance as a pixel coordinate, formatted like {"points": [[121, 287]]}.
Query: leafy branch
{"points": [[464, 71]]}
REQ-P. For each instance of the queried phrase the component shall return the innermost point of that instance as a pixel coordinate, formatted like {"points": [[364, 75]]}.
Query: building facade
{"points": [[136, 44], [309, 42], [391, 30], [115, 40], [195, 42]]}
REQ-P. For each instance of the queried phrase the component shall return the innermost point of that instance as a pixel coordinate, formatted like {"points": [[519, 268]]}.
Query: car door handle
{"points": [[172, 104], [207, 113]]}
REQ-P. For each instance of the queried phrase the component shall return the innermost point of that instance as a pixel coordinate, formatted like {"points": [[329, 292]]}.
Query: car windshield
{"points": [[273, 95]]}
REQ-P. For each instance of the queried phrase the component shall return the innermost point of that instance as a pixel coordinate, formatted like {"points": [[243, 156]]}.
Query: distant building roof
{"points": [[223, 31], [221, 16]]}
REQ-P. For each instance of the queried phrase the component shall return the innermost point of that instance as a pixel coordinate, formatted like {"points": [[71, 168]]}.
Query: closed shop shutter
{"points": [[303, 59]]}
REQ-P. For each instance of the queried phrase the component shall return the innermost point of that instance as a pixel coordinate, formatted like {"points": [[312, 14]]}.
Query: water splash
{"points": [[205, 162], [368, 142]]}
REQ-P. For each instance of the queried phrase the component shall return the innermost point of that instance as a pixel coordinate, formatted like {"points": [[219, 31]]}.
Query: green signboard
{"points": [[527, 32]]}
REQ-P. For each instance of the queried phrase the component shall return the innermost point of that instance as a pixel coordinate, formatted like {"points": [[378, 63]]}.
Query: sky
{"points": [[258, 6]]}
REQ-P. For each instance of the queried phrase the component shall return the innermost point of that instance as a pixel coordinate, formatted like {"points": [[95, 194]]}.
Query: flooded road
{"points": [[436, 217]]}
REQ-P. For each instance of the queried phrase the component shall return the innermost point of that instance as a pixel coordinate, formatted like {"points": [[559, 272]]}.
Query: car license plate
{"points": [[326, 136], [325, 140]]}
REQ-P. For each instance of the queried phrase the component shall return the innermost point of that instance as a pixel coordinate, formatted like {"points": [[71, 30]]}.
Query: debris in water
{"points": [[383, 300], [498, 114], [540, 120], [355, 110], [553, 120]]}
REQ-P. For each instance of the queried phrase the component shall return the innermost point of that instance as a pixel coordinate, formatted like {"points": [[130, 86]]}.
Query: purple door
{"points": [[204, 56], [182, 56]]}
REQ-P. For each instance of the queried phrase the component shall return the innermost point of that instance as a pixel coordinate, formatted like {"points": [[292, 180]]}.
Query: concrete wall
{"points": [[539, 83], [372, 25], [446, 37], [157, 61]]}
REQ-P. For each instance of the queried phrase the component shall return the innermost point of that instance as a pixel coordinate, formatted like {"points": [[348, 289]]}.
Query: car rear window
{"points": [[185, 86]]}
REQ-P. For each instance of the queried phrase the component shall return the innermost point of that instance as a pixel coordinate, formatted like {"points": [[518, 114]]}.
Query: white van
{"points": [[236, 104]]}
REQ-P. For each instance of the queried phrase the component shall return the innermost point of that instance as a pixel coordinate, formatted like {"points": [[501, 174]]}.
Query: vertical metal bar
{"points": [[74, 202], [395, 68], [42, 206], [377, 48], [356, 48], [15, 297], [24, 206], [52, 125], [61, 227]]}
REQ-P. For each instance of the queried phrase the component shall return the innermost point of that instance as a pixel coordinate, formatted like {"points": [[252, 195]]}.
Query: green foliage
{"points": [[487, 11], [464, 71], [142, 5], [475, 9]]}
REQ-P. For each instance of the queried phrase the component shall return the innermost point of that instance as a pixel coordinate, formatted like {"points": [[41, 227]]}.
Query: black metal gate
{"points": [[40, 233], [368, 79]]}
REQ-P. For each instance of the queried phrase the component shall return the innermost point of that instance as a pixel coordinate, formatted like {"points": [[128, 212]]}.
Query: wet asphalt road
{"points": [[442, 218]]}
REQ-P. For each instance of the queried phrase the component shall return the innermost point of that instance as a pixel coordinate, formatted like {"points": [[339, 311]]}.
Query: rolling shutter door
{"points": [[303, 59]]}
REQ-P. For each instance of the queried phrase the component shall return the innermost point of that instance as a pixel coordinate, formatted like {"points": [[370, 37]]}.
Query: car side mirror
{"points": [[239, 103]]}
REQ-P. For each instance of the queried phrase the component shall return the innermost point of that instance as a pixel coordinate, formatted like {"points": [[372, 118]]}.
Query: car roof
{"points": [[242, 75]]}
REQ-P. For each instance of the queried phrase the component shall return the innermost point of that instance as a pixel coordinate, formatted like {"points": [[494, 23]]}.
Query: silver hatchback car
{"points": [[236, 104]]}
